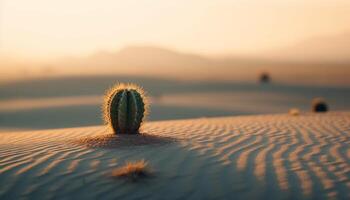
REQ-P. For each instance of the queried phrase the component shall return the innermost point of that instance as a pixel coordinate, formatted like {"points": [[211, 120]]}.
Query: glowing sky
{"points": [[46, 28]]}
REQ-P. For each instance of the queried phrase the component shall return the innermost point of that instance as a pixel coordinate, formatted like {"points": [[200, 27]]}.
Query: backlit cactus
{"points": [[125, 108]]}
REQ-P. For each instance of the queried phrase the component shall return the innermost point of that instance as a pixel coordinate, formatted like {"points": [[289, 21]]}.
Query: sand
{"points": [[75, 101], [248, 157]]}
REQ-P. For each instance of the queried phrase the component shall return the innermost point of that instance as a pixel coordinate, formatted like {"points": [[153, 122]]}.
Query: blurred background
{"points": [[195, 58]]}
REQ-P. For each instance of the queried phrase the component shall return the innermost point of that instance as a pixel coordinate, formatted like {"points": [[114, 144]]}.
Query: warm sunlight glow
{"points": [[41, 28], [175, 99]]}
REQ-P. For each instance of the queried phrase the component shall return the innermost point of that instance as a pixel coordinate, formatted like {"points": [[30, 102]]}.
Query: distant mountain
{"points": [[161, 62], [148, 56], [324, 60], [143, 61], [334, 48]]}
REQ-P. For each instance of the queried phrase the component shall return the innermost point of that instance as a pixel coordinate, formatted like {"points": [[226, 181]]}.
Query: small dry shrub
{"points": [[133, 170], [294, 112]]}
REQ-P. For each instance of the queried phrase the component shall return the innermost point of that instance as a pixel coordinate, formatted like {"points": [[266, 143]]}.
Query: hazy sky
{"points": [[49, 28]]}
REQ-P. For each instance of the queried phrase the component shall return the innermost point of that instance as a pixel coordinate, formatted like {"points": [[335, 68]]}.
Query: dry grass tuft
{"points": [[294, 112], [133, 170]]}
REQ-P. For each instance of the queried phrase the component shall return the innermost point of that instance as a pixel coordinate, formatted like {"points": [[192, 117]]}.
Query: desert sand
{"points": [[246, 157], [75, 101]]}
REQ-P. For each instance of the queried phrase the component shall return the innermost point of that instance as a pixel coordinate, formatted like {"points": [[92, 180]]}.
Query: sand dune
{"points": [[250, 157]]}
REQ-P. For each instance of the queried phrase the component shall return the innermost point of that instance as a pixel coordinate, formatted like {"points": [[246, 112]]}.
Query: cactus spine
{"points": [[125, 108]]}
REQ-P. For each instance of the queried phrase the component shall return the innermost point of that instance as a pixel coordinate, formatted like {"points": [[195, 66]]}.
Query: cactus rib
{"points": [[125, 108]]}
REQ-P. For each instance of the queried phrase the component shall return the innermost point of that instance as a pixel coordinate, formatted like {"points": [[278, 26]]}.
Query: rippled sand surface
{"points": [[250, 157]]}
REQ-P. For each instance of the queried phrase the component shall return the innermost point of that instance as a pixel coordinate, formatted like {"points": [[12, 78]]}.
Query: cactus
{"points": [[125, 108], [319, 105], [264, 77]]}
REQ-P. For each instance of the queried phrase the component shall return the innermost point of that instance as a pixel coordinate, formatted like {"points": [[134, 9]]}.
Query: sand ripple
{"points": [[251, 157]]}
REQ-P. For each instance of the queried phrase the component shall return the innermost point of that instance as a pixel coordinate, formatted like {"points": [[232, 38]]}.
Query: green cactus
{"points": [[125, 108]]}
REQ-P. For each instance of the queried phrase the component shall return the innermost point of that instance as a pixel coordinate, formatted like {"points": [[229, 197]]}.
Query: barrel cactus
{"points": [[264, 77], [125, 108], [319, 105]]}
